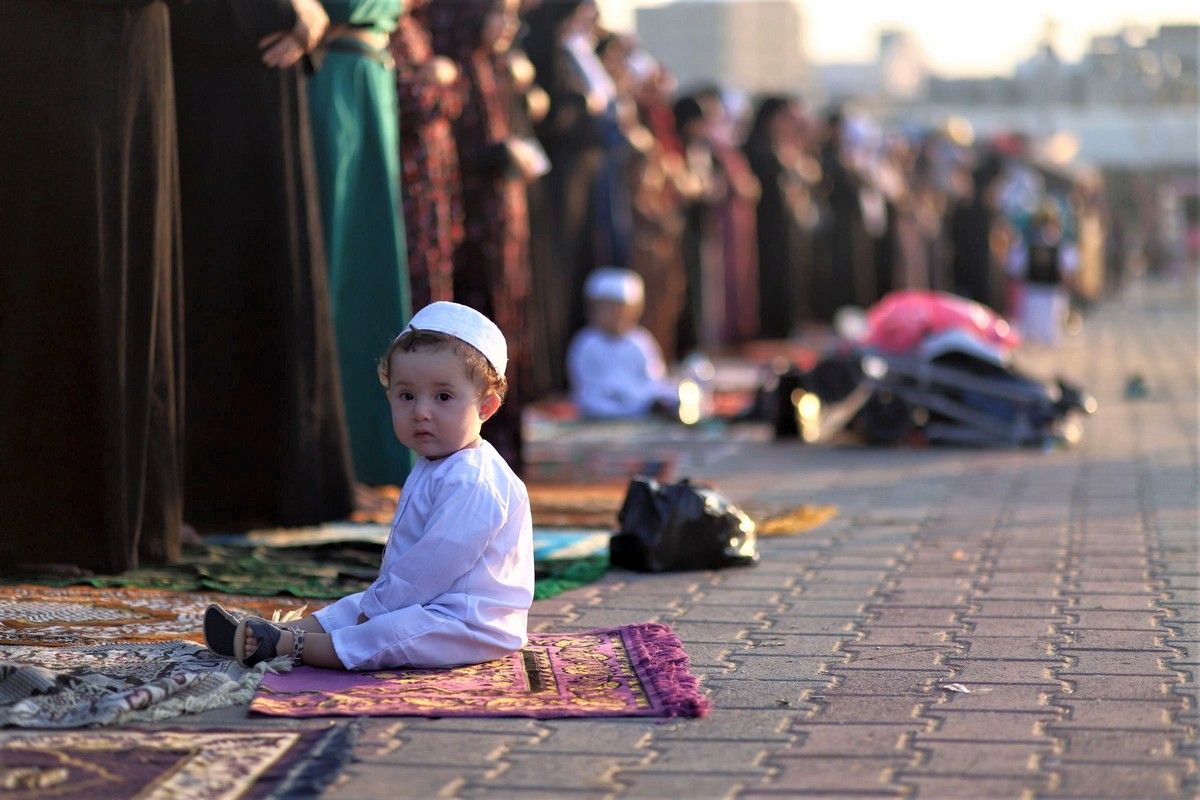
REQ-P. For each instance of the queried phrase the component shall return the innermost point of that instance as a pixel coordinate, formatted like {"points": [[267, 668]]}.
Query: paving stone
{"points": [[1132, 715], [1111, 602], [1120, 746], [1086, 574], [721, 595], [813, 607], [833, 591], [1121, 639], [931, 657], [744, 725], [740, 693], [715, 632], [1010, 580], [789, 623], [1115, 662], [570, 770], [884, 616], [824, 574], [793, 644], [659, 785], [964, 786], [923, 598], [1141, 587], [985, 696], [970, 670], [959, 723], [712, 656], [533, 792], [721, 613], [881, 709], [906, 637], [865, 739], [1006, 627], [1016, 759], [828, 775], [601, 617], [885, 681], [767, 666], [1119, 687], [1119, 780], [708, 756], [990, 647], [993, 608], [447, 748], [371, 780]]}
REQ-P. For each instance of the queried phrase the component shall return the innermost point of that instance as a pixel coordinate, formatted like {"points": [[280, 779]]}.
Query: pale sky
{"points": [[960, 37]]}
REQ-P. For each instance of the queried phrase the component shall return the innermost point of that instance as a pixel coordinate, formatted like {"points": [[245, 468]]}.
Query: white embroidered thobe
{"points": [[456, 580]]}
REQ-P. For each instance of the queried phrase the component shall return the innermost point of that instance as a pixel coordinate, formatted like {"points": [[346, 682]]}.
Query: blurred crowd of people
{"points": [[225, 209]]}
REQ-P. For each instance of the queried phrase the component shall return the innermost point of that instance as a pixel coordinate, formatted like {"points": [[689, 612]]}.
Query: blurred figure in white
{"points": [[615, 366], [1046, 265]]}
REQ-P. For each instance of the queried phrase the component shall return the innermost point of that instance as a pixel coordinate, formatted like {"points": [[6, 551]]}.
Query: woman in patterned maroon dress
{"points": [[430, 100], [491, 264]]}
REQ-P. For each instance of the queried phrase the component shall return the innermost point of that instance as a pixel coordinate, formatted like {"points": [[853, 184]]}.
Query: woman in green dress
{"points": [[352, 100]]}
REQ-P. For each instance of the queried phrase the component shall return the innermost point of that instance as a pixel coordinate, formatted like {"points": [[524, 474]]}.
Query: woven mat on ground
{"points": [[322, 563], [58, 616], [634, 670], [192, 764], [117, 683]]}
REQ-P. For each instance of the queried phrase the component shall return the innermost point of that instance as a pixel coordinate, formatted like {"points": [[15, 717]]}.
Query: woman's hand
{"points": [[284, 48]]}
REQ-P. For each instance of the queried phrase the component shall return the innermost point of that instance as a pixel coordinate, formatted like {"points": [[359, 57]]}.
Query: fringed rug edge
{"points": [[658, 657]]}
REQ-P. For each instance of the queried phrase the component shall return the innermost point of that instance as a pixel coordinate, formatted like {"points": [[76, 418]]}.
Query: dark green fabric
{"points": [[318, 572], [356, 140]]}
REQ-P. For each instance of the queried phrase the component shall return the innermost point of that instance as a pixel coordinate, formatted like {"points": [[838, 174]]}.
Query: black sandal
{"points": [[268, 641], [219, 629]]}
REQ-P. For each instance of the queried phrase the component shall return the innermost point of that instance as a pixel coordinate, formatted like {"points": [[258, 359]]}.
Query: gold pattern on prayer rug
{"points": [[59, 616], [795, 520]]}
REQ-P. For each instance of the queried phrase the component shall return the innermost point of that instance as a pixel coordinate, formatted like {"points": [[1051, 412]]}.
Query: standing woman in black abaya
{"points": [[266, 439]]}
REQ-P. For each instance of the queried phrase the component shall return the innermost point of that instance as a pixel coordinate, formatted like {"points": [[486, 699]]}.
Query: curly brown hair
{"points": [[479, 369]]}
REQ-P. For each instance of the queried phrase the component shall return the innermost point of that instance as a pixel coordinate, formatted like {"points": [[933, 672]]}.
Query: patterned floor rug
{"points": [[170, 764], [110, 684], [51, 616], [634, 670]]}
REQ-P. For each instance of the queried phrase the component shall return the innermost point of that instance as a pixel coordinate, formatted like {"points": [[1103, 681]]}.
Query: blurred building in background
{"points": [[753, 46]]}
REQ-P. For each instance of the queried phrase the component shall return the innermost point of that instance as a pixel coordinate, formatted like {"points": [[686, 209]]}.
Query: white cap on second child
{"points": [[614, 283], [467, 324]]}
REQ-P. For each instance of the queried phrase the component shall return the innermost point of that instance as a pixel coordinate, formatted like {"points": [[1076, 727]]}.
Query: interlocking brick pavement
{"points": [[1060, 589]]}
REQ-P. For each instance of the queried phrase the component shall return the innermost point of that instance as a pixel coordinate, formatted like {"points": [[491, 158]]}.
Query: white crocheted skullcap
{"points": [[464, 322], [614, 283]]}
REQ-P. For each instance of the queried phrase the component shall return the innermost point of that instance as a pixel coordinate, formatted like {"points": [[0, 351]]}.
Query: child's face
{"points": [[614, 317], [436, 407]]}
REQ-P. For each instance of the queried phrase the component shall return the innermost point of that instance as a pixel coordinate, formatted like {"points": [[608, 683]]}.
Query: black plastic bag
{"points": [[680, 526]]}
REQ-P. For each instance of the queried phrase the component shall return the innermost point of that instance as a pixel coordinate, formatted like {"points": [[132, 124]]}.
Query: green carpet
{"points": [[320, 572]]}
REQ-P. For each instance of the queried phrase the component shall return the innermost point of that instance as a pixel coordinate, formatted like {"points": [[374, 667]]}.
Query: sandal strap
{"points": [[297, 646], [268, 637]]}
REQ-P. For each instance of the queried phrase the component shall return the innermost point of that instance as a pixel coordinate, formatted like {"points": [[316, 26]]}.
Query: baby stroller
{"points": [[934, 367]]}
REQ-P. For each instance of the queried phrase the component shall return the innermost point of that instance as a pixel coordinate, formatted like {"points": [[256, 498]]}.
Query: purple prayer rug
{"points": [[629, 671], [178, 763]]}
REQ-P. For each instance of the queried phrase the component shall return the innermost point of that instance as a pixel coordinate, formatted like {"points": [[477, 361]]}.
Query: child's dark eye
{"points": [[444, 396], [405, 395]]}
